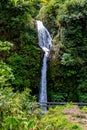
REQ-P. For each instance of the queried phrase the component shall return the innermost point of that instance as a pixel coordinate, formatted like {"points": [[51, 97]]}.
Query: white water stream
{"points": [[45, 43]]}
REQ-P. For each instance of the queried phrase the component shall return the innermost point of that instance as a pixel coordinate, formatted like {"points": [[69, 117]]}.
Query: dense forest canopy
{"points": [[67, 22]]}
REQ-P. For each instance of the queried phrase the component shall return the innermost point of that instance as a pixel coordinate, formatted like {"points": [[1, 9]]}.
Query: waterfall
{"points": [[45, 43]]}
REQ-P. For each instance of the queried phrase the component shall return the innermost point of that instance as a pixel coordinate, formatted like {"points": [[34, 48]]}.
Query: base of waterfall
{"points": [[43, 107]]}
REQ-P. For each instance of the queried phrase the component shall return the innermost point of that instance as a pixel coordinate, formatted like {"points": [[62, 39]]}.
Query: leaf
{"points": [[31, 124]]}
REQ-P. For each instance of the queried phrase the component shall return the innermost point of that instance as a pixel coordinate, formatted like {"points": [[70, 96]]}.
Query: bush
{"points": [[17, 109], [54, 119]]}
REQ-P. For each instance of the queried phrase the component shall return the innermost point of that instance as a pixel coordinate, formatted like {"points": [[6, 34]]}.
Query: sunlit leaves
{"points": [[15, 1], [5, 46], [67, 59], [6, 75], [16, 109]]}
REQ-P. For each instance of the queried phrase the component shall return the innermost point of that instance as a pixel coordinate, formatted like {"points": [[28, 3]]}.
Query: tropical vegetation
{"points": [[20, 62]]}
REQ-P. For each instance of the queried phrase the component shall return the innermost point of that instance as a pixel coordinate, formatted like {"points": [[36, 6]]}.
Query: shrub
{"points": [[17, 109]]}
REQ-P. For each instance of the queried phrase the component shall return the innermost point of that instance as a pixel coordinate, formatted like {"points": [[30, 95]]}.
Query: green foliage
{"points": [[17, 110], [67, 59], [73, 37], [6, 75], [70, 105], [17, 26], [5, 46], [54, 119], [48, 15], [66, 20], [57, 96], [4, 49], [83, 96], [26, 68], [84, 109], [15, 1]]}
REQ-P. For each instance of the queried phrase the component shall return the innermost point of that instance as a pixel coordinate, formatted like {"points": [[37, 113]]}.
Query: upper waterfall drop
{"points": [[45, 40]]}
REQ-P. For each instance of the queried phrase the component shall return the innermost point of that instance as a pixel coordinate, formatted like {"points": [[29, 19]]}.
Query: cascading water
{"points": [[45, 42]]}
